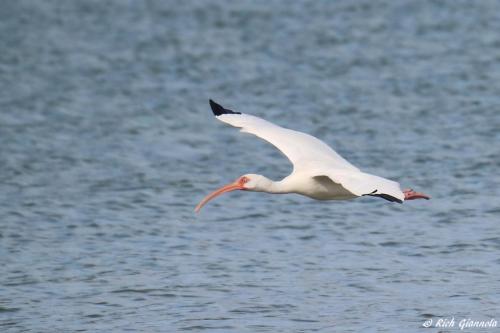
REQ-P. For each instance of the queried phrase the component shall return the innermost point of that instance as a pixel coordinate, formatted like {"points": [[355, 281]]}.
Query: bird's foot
{"points": [[412, 195]]}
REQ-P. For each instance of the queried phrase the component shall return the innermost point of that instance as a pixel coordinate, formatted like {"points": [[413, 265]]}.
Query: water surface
{"points": [[108, 143]]}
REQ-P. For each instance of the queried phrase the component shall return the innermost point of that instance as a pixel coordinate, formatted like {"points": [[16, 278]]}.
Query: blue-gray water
{"points": [[107, 143]]}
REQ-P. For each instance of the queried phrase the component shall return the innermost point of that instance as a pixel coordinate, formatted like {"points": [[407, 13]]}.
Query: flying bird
{"points": [[318, 171]]}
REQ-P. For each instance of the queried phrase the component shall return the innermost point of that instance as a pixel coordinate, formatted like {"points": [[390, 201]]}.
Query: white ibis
{"points": [[318, 171]]}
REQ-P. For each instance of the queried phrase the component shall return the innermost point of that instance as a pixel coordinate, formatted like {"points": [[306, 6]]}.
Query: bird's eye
{"points": [[244, 180]]}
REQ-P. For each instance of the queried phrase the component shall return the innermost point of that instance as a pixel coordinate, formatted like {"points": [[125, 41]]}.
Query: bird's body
{"points": [[316, 187], [318, 171]]}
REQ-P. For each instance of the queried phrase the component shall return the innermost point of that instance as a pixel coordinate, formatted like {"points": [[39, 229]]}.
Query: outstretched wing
{"points": [[301, 149], [360, 184]]}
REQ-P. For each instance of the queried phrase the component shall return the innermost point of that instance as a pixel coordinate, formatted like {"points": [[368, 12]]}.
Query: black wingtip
{"points": [[384, 196], [218, 109]]}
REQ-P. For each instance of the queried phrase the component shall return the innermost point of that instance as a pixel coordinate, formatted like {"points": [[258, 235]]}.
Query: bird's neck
{"points": [[276, 187]]}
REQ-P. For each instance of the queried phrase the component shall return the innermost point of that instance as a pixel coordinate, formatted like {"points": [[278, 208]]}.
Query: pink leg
{"points": [[412, 195]]}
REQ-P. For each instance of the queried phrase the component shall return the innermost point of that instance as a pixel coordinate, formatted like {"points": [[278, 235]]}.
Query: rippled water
{"points": [[108, 143]]}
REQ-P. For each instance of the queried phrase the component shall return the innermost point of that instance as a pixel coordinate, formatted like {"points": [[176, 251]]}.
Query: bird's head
{"points": [[248, 182]]}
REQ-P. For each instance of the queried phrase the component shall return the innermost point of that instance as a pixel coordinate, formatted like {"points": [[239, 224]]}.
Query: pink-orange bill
{"points": [[222, 190]]}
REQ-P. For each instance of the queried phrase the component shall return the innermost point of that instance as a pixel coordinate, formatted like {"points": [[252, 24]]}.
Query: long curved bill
{"points": [[222, 190]]}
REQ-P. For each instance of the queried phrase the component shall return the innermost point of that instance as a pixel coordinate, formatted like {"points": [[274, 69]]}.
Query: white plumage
{"points": [[318, 171], [312, 158]]}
